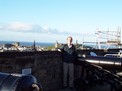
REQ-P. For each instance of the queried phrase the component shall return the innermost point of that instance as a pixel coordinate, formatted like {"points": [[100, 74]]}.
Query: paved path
{"points": [[67, 89], [104, 87]]}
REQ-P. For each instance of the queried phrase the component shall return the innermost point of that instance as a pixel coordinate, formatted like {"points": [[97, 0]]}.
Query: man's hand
{"points": [[59, 50]]}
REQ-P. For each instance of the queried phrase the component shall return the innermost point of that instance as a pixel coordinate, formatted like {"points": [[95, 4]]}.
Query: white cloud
{"points": [[25, 27], [29, 32], [19, 26], [0, 27], [35, 28]]}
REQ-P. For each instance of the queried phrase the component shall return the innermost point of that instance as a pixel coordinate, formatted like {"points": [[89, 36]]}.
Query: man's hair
{"points": [[70, 37]]}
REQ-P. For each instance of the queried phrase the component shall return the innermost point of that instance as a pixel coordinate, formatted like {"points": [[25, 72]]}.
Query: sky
{"points": [[55, 20]]}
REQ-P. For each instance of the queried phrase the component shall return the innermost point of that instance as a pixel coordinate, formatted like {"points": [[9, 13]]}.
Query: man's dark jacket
{"points": [[69, 54]]}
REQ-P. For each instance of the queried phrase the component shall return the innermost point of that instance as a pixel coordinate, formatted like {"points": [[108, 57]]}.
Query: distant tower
{"points": [[16, 44], [56, 44], [76, 42], [34, 46]]}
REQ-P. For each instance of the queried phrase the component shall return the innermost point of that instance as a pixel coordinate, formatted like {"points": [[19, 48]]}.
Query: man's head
{"points": [[69, 40]]}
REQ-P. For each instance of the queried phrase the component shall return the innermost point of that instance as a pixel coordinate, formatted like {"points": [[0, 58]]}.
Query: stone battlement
{"points": [[45, 66]]}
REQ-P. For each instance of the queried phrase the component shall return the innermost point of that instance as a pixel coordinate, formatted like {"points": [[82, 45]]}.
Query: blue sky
{"points": [[54, 20]]}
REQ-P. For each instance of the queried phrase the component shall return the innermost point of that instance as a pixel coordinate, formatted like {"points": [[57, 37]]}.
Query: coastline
{"points": [[23, 43]]}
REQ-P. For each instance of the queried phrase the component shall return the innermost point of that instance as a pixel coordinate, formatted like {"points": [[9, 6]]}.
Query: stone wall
{"points": [[46, 66]]}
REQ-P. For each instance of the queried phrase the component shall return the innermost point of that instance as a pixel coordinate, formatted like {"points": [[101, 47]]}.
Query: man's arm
{"points": [[60, 49]]}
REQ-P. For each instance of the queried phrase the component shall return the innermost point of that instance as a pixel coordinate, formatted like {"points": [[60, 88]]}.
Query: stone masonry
{"points": [[45, 66]]}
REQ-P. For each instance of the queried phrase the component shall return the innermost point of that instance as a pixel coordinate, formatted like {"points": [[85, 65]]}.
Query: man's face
{"points": [[69, 40]]}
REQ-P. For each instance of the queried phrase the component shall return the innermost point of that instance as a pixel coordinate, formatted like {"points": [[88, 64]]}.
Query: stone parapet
{"points": [[45, 66]]}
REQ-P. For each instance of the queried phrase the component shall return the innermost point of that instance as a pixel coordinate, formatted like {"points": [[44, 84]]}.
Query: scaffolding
{"points": [[109, 37]]}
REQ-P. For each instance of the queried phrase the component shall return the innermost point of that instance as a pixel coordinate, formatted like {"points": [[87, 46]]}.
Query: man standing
{"points": [[69, 57]]}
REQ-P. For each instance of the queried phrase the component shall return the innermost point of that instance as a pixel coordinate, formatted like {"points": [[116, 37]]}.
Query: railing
{"points": [[95, 74]]}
